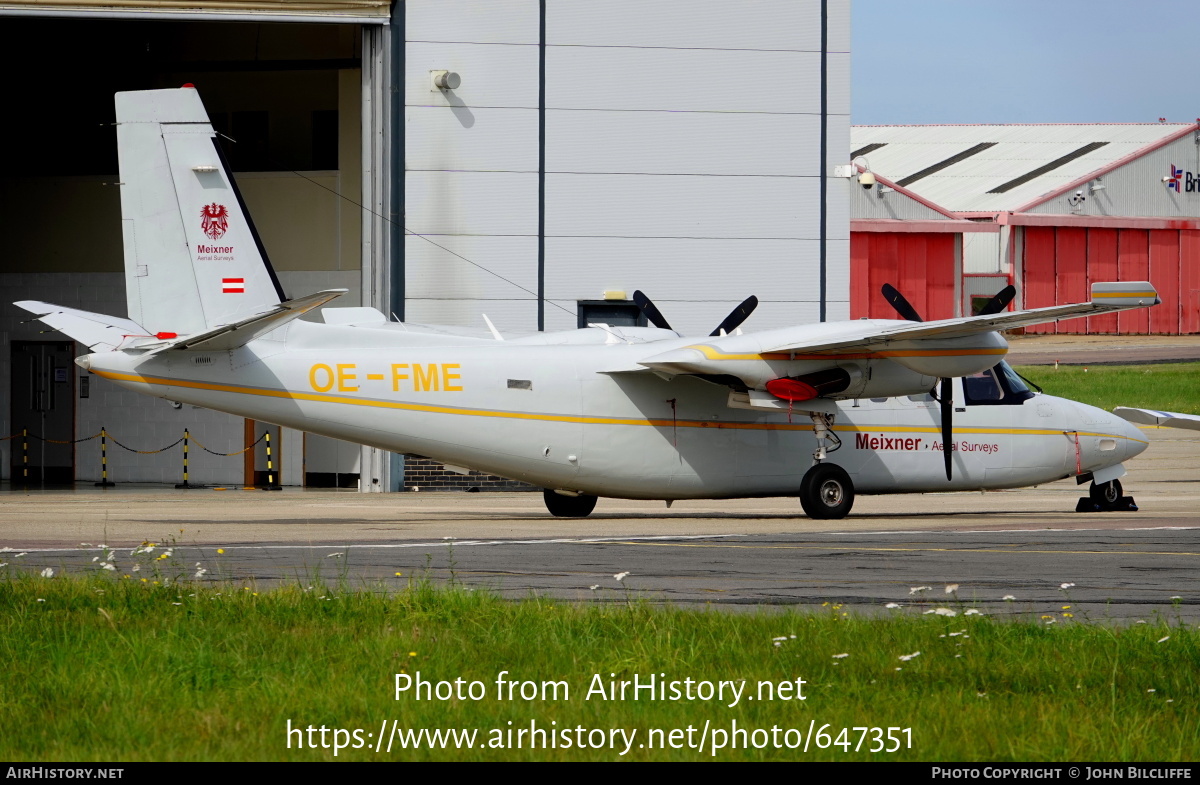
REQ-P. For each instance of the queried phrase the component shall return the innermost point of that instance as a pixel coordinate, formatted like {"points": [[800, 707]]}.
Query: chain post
{"points": [[104, 483], [271, 484]]}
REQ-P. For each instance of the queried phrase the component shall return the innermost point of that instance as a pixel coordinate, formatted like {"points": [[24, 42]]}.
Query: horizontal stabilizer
{"points": [[231, 336], [94, 330], [1165, 419]]}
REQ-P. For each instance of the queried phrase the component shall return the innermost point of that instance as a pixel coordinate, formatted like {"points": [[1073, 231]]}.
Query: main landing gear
{"points": [[826, 491], [1106, 497], [561, 506]]}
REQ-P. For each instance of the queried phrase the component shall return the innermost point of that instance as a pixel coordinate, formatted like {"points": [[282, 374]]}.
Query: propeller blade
{"points": [[653, 315], [902, 306], [735, 317], [947, 401], [999, 302]]}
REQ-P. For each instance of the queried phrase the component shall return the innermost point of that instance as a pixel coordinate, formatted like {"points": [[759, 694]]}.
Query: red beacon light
{"points": [[791, 390], [166, 336]]}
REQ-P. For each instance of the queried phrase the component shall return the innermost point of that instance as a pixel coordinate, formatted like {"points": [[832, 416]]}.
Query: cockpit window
{"points": [[997, 386], [982, 387]]}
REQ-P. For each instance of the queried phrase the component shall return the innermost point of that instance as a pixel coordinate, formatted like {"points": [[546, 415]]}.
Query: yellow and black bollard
{"points": [[271, 484], [185, 484], [104, 483], [25, 456]]}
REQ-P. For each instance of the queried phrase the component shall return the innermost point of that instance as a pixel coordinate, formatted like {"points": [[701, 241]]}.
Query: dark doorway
{"points": [[43, 405]]}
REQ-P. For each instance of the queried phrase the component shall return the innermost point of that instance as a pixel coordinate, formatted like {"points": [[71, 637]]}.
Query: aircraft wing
{"points": [[1152, 417], [1106, 297]]}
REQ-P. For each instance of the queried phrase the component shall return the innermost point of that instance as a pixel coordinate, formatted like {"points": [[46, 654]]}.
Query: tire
{"points": [[1107, 494], [826, 492], [560, 506]]}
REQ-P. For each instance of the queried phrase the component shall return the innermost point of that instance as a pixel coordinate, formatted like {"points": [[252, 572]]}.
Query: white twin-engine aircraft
{"points": [[824, 411]]}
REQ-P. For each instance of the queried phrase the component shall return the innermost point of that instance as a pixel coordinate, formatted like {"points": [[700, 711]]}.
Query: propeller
{"points": [[998, 302], [653, 315], [736, 316], [945, 394], [731, 323]]}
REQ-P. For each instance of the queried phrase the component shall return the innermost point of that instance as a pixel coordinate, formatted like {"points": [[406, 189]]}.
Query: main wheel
{"points": [[826, 492], [1106, 494], [560, 506]]}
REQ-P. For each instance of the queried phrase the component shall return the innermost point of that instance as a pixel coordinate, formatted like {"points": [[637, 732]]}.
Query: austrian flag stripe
{"points": [[233, 285]]}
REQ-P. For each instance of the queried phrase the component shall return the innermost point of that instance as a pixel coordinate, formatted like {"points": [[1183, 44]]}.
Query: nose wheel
{"points": [[826, 492], [1106, 497], [1106, 493]]}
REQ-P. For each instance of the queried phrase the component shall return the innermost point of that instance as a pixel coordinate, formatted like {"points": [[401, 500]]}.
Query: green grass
{"points": [[1173, 387], [120, 670]]}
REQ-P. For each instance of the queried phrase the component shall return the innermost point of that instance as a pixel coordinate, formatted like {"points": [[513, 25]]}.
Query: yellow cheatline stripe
{"points": [[716, 354], [568, 418], [900, 550], [1098, 295]]}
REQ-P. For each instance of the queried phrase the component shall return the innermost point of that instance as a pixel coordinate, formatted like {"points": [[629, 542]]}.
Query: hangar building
{"points": [[535, 160], [960, 211]]}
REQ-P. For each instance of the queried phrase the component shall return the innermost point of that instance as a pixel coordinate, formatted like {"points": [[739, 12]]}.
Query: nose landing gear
{"points": [[1106, 497]]}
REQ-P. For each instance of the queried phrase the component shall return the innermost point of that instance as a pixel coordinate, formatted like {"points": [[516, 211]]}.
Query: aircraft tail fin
{"points": [[193, 260]]}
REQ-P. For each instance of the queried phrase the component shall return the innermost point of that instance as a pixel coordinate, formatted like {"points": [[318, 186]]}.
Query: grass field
{"points": [[117, 670], [1173, 387]]}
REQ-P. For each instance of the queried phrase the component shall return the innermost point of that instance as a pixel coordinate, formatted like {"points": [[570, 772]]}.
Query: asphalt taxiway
{"points": [[1020, 544]]}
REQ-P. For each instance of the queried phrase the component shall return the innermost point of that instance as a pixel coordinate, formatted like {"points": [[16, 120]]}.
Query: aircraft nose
{"points": [[1135, 440]]}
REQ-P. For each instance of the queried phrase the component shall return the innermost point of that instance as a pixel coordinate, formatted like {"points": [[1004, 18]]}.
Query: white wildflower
{"points": [[918, 590], [620, 576], [972, 612], [1008, 597], [841, 656], [48, 572], [907, 657], [108, 565], [951, 588], [892, 605], [594, 586], [945, 612], [1066, 585], [1151, 690], [780, 638]]}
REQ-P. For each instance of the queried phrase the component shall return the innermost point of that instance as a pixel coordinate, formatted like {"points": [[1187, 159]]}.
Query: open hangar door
{"points": [[1059, 264], [289, 94]]}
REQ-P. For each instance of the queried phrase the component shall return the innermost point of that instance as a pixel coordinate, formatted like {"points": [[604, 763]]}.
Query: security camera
{"points": [[866, 180]]}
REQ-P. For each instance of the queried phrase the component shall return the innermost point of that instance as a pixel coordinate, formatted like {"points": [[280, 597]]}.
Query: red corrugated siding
{"points": [[1038, 287], [919, 265], [940, 276], [1102, 266], [860, 255], [1164, 274], [1133, 264], [1070, 268], [1189, 281]]}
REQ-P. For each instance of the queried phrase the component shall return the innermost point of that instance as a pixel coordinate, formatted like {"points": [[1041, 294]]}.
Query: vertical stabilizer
{"points": [[193, 260]]}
